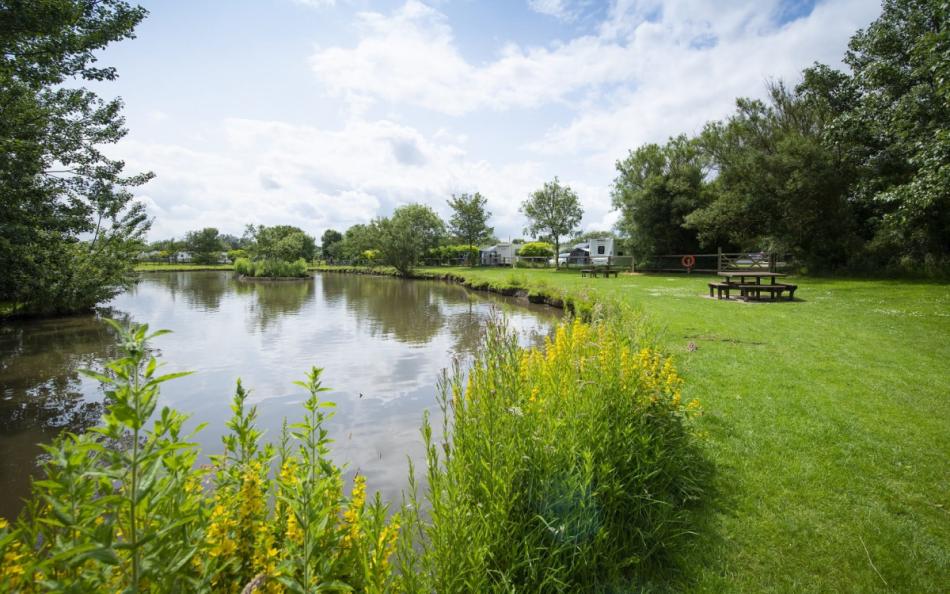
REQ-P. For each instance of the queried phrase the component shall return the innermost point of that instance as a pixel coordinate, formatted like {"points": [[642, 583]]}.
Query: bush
{"points": [[123, 507], [564, 469], [536, 249], [271, 268]]}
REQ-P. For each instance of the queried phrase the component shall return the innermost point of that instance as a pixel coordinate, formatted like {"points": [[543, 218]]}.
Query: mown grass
{"points": [[828, 422], [170, 267]]}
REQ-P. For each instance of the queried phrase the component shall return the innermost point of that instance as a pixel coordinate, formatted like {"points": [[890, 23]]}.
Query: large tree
{"points": [[409, 233], [69, 227], [331, 244], [655, 189], [894, 126], [469, 221], [553, 212], [205, 245], [280, 242]]}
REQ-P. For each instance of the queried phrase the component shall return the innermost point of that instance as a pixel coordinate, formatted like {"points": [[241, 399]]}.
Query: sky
{"points": [[326, 113]]}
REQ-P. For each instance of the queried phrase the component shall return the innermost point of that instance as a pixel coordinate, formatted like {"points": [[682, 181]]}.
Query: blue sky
{"points": [[325, 113]]}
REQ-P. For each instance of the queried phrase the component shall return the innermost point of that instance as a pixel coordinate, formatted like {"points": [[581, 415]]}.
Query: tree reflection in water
{"points": [[273, 300], [43, 392], [409, 311]]}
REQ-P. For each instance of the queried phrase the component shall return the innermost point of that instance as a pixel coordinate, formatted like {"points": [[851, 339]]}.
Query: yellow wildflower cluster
{"points": [[12, 570], [353, 513], [585, 360]]}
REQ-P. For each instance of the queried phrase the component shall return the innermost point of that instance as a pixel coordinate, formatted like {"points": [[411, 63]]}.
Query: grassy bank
{"points": [[828, 421], [165, 267]]}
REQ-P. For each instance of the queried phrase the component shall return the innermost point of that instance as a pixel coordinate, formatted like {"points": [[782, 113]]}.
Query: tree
{"points": [[780, 187], [331, 244], [655, 189], [356, 240], [895, 129], [205, 245], [409, 233], [280, 242], [469, 219], [554, 211], [69, 228]]}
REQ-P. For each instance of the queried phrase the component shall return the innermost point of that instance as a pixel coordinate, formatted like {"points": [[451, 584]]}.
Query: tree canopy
{"points": [[554, 211], [280, 242], [69, 228], [409, 233], [469, 221], [205, 245]]}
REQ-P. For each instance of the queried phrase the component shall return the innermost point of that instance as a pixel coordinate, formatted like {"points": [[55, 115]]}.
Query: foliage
{"points": [[271, 268], [331, 244], [280, 242], [469, 221], [452, 254], [357, 240], [205, 245], [655, 189], [123, 508], [564, 469], [233, 255], [553, 211], [57, 185], [536, 249], [407, 235]]}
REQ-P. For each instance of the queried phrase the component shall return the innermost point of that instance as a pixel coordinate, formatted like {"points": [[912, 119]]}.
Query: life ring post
{"points": [[688, 262]]}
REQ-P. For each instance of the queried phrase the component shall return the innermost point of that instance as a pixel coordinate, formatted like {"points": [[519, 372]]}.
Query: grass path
{"points": [[828, 421]]}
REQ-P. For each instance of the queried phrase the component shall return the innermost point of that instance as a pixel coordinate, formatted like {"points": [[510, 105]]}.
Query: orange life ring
{"points": [[688, 261]]}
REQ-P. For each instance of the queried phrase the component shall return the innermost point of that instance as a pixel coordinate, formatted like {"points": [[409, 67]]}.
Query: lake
{"points": [[383, 343]]}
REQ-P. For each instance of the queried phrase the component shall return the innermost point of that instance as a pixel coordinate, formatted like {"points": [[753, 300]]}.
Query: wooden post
{"points": [[719, 260]]}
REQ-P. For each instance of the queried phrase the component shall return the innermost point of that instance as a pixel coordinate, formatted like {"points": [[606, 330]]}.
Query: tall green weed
{"points": [[563, 469]]}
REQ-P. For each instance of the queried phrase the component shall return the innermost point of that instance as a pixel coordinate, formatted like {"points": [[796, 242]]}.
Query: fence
{"points": [[718, 262]]}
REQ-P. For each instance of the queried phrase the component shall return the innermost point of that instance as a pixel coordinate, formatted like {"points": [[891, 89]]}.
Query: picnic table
{"points": [[749, 284], [595, 270]]}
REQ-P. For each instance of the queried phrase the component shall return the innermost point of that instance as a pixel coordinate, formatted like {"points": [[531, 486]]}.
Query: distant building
{"points": [[182, 257], [596, 251], [501, 254]]}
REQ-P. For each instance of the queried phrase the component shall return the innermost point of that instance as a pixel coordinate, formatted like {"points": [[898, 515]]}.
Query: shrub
{"points": [[536, 249], [564, 469], [271, 268], [123, 507]]}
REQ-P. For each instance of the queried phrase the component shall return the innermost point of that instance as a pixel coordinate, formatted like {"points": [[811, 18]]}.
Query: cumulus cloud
{"points": [[276, 172], [559, 9], [649, 70]]}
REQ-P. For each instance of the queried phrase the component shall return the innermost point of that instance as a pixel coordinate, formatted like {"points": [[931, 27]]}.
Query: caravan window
{"points": [[600, 249]]}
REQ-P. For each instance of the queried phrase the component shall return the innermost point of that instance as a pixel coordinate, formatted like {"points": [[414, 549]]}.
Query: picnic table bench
{"points": [[748, 289], [595, 270]]}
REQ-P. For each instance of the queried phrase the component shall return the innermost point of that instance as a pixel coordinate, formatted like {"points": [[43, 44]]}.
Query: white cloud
{"points": [[678, 87], [410, 57], [659, 65], [651, 69], [559, 9], [275, 173]]}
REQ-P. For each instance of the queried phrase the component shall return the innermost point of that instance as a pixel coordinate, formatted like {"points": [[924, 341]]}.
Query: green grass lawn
{"points": [[828, 423], [169, 267]]}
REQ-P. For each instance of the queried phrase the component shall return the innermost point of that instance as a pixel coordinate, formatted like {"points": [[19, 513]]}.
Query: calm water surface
{"points": [[381, 341]]}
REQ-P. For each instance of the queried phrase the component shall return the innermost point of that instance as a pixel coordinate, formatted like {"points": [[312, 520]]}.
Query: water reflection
{"points": [[382, 343], [42, 391]]}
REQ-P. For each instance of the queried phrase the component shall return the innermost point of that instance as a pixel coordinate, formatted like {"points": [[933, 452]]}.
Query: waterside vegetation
{"points": [[124, 506]]}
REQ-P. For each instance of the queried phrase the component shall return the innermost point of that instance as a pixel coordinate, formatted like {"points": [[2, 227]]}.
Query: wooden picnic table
{"points": [[736, 279], [750, 274]]}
